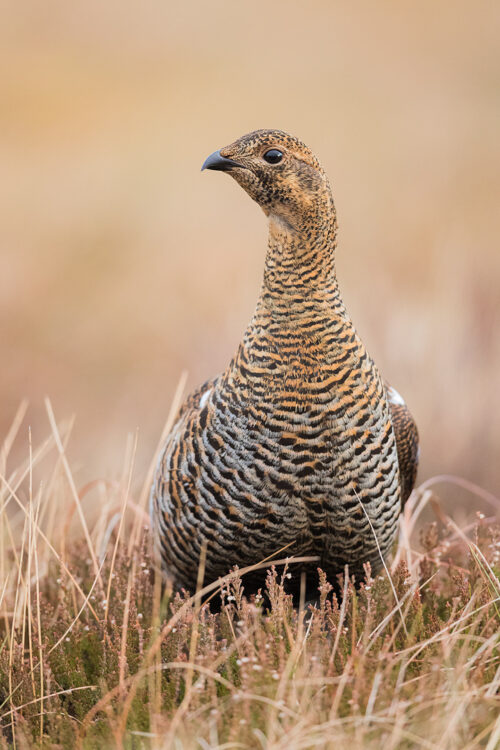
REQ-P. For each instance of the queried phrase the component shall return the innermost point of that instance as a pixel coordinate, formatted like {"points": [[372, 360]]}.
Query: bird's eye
{"points": [[273, 156]]}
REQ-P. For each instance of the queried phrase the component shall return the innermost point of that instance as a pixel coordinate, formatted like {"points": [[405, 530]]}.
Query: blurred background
{"points": [[122, 265]]}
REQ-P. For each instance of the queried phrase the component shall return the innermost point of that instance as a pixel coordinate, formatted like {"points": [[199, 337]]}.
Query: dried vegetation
{"points": [[92, 656]]}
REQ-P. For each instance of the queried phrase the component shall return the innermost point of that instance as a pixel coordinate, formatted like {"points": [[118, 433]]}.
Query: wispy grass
{"points": [[92, 656]]}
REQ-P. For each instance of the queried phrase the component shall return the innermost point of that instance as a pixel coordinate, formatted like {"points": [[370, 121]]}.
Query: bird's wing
{"points": [[193, 403], [198, 398], [407, 445]]}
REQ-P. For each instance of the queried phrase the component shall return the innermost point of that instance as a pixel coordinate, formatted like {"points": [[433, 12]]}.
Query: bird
{"points": [[299, 444]]}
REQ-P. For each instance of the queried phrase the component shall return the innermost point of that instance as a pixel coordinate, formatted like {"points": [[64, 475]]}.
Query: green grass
{"points": [[91, 656]]}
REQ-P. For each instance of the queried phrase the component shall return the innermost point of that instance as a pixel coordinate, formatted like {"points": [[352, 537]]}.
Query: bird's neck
{"points": [[300, 317], [300, 261]]}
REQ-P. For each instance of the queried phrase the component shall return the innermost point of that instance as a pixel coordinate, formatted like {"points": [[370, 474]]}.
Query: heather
{"points": [[94, 655]]}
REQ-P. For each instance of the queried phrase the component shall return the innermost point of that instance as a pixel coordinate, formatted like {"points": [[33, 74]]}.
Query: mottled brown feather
{"points": [[407, 445]]}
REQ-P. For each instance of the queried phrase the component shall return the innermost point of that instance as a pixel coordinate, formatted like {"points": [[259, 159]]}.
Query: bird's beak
{"points": [[217, 161]]}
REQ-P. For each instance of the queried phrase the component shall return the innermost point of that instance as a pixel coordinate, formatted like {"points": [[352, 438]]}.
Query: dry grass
{"points": [[91, 656]]}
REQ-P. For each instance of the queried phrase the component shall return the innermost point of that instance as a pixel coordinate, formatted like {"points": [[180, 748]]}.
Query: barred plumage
{"points": [[299, 441]]}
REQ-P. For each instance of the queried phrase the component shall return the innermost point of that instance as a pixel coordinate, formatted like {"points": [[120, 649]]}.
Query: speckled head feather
{"points": [[291, 189], [299, 443]]}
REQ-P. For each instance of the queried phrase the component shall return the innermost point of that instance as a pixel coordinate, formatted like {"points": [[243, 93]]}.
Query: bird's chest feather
{"points": [[308, 421]]}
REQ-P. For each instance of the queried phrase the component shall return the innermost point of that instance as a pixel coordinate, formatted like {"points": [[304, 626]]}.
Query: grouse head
{"points": [[279, 172]]}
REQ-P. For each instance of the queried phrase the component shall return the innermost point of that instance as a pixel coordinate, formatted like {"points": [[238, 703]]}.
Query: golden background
{"points": [[122, 265]]}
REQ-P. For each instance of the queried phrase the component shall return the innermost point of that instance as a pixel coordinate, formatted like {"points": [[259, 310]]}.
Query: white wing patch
{"points": [[205, 397], [395, 397]]}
